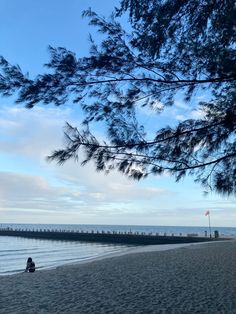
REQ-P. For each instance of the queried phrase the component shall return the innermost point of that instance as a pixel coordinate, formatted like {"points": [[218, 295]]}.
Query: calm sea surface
{"points": [[14, 251]]}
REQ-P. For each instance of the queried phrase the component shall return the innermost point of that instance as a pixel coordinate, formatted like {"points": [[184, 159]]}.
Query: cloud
{"points": [[180, 117], [181, 104], [156, 108], [33, 133], [182, 111], [48, 186], [32, 194], [25, 191], [197, 114], [32, 187]]}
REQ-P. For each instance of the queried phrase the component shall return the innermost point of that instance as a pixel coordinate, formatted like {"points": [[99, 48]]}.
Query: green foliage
{"points": [[185, 46]]}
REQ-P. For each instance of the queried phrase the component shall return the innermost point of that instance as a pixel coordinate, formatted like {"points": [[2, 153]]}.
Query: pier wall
{"points": [[135, 239]]}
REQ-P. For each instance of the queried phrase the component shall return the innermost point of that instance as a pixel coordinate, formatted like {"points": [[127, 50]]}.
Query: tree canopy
{"points": [[176, 47]]}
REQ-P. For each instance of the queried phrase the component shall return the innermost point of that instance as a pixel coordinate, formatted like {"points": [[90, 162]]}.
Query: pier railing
{"points": [[125, 237]]}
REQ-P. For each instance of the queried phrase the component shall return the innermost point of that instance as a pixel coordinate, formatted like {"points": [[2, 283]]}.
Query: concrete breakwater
{"points": [[104, 237]]}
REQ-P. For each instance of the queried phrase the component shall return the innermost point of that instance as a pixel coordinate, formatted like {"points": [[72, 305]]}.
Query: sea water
{"points": [[14, 251]]}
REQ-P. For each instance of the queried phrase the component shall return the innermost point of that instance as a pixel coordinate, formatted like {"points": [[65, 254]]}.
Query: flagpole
{"points": [[209, 220]]}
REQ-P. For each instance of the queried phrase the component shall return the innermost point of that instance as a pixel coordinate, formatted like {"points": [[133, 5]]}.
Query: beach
{"points": [[196, 278]]}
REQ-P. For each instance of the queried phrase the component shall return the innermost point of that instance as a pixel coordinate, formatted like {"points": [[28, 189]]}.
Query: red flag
{"points": [[207, 213]]}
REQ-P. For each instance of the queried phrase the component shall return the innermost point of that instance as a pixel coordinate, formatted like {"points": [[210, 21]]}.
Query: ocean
{"points": [[14, 251]]}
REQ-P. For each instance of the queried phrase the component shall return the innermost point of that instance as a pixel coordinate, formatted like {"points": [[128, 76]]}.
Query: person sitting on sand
{"points": [[30, 265]]}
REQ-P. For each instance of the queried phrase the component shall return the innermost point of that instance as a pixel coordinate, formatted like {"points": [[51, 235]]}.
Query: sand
{"points": [[189, 279]]}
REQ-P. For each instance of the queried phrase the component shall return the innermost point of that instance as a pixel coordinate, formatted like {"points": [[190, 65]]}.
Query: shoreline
{"points": [[135, 250], [194, 278], [127, 251]]}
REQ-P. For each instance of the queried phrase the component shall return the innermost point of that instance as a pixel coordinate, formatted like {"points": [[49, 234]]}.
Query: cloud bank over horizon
{"points": [[32, 190]]}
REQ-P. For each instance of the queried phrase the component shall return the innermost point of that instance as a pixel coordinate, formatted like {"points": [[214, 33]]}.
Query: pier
{"points": [[128, 238]]}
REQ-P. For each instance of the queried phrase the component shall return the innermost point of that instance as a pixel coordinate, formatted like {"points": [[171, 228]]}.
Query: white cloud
{"points": [[156, 108], [32, 131], [180, 117], [32, 195], [34, 134], [181, 104], [197, 114], [182, 111], [25, 191], [32, 190]]}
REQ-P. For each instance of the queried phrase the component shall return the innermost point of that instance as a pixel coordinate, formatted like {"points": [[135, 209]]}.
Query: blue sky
{"points": [[33, 190]]}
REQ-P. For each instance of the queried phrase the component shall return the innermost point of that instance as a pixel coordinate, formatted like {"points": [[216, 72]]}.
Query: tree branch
{"points": [[146, 143], [188, 82]]}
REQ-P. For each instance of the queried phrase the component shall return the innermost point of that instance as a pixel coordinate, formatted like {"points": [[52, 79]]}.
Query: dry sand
{"points": [[190, 279]]}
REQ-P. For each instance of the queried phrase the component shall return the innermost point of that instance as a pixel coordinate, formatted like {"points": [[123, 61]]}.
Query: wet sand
{"points": [[197, 278]]}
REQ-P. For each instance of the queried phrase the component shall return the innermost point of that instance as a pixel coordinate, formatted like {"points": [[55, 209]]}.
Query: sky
{"points": [[33, 190]]}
